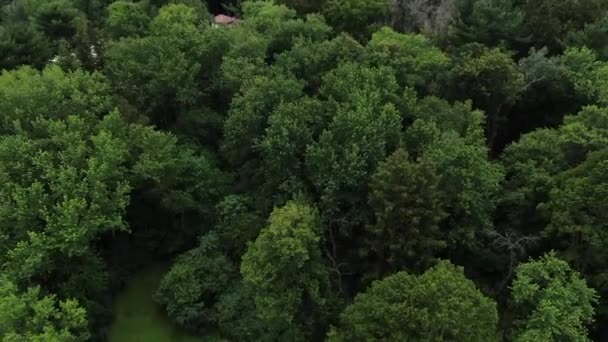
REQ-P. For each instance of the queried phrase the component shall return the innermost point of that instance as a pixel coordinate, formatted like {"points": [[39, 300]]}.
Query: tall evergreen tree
{"points": [[405, 235]]}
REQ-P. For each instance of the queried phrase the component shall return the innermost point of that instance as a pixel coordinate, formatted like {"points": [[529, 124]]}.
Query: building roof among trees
{"points": [[222, 19]]}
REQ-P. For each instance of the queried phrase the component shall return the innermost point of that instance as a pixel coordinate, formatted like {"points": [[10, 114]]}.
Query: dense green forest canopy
{"points": [[340, 170]]}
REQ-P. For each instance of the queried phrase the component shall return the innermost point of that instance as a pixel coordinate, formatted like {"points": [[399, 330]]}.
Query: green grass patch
{"points": [[138, 318]]}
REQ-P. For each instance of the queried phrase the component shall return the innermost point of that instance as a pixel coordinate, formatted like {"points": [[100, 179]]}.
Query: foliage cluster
{"points": [[336, 170]]}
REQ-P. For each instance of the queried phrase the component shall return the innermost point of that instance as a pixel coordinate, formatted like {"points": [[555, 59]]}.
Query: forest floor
{"points": [[138, 318]]}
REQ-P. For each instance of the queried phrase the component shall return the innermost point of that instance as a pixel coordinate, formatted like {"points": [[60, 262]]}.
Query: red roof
{"points": [[225, 19]]}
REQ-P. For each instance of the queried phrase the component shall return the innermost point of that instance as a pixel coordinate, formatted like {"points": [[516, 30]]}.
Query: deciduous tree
{"points": [[413, 58], [354, 16], [285, 269], [32, 316], [551, 302], [492, 80], [441, 304], [191, 289]]}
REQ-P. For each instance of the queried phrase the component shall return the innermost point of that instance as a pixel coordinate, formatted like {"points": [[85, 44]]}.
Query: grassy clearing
{"points": [[137, 316]]}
